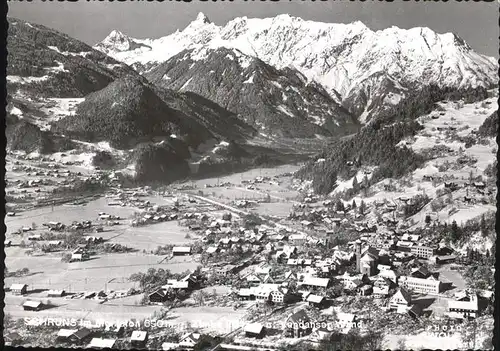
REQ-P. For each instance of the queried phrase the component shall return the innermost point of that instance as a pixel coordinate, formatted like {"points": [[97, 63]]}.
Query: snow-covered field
{"points": [[465, 118], [61, 107], [26, 80], [343, 185], [424, 340]]}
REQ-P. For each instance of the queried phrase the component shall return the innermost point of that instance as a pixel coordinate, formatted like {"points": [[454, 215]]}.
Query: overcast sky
{"points": [[476, 23]]}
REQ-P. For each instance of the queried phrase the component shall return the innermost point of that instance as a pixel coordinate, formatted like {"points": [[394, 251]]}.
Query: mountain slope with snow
{"points": [[66, 97], [45, 63], [348, 59], [278, 102]]}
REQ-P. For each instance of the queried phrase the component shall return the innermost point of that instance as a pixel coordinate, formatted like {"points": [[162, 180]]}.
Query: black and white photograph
{"points": [[251, 175]]}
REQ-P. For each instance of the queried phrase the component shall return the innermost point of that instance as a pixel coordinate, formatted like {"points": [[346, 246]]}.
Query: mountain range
{"points": [[366, 71], [276, 101], [219, 94]]}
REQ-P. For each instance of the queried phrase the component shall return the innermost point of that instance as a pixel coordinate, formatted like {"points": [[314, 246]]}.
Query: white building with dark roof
{"points": [[429, 285]]}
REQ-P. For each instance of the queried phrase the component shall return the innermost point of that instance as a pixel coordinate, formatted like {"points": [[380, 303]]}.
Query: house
{"points": [[32, 305], [324, 332], [12, 339], [346, 277], [404, 246], [415, 311], [383, 267], [275, 293], [56, 293], [267, 279], [79, 256], [365, 290], [346, 321], [19, 289], [307, 262], [443, 250], [80, 336], [262, 295], [479, 185], [389, 274], [181, 250], [168, 346], [307, 224], [410, 237], [289, 277], [380, 291], [420, 272], [263, 268], [189, 340], [253, 280], [402, 298], [246, 294], [99, 343], [443, 259], [314, 282], [422, 251], [464, 307], [158, 296], [254, 330], [316, 301], [298, 325], [286, 252], [139, 338], [64, 334], [352, 284], [211, 250], [298, 239], [178, 285], [430, 285]]}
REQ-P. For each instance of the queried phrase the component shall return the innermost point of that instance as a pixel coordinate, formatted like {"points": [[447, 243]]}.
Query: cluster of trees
{"points": [[103, 159], [234, 254], [353, 340], [252, 220], [154, 278], [491, 170], [114, 248], [485, 225], [229, 279], [416, 204], [479, 276], [160, 163], [489, 128], [423, 101], [163, 250], [81, 187], [374, 145], [18, 273]]}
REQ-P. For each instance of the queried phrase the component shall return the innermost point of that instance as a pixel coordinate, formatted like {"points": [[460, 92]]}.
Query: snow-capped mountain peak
{"points": [[117, 40], [201, 19], [348, 59]]}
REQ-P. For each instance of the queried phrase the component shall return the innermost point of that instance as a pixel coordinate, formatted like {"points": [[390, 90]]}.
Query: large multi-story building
{"points": [[422, 251], [427, 286]]}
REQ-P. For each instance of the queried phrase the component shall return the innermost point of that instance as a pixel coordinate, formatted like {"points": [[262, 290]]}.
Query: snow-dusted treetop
{"points": [[347, 58]]}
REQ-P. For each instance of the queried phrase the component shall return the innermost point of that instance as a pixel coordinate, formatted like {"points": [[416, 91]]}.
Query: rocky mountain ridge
{"points": [[365, 69]]}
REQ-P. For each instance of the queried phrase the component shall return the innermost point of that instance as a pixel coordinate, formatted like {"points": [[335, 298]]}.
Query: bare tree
{"points": [[401, 344], [199, 297]]}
